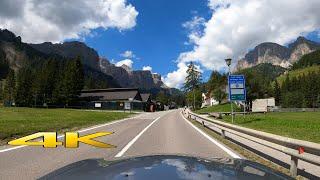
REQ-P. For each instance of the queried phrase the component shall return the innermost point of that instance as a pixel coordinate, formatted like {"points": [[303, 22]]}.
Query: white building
{"points": [[208, 101], [262, 105]]}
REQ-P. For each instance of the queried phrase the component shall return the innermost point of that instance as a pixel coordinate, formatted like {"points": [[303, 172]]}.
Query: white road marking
{"points": [[80, 131], [135, 139], [228, 151]]}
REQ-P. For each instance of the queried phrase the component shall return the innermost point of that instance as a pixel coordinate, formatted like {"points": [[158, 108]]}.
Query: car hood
{"points": [[165, 167]]}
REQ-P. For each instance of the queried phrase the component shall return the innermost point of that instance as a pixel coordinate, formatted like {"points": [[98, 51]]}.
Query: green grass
{"points": [[298, 125], [299, 72], [17, 122], [218, 108]]}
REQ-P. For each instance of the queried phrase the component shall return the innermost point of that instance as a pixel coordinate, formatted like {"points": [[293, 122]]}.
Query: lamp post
{"points": [[228, 62]]}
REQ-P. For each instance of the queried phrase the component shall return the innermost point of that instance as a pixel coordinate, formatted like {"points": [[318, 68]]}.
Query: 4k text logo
{"points": [[72, 140]]}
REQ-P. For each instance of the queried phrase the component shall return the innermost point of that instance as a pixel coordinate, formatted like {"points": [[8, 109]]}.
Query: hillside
{"points": [[298, 72], [266, 70], [309, 63], [14, 54], [308, 60]]}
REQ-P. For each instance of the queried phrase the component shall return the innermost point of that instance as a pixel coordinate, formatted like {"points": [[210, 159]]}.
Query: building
{"points": [[208, 101], [262, 105], [148, 105], [113, 98], [146, 97]]}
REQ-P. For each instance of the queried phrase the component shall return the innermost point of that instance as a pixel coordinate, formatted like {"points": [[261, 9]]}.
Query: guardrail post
{"points": [[294, 166], [223, 133], [203, 124]]}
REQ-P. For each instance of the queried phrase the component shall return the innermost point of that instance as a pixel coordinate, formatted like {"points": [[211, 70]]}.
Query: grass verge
{"points": [[219, 108], [298, 125], [18, 122]]}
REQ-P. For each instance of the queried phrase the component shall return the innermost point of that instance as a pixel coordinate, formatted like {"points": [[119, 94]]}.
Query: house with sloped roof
{"points": [[146, 97], [113, 98]]}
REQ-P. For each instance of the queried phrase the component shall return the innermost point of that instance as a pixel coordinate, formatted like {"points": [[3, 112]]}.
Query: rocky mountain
{"points": [[276, 54], [70, 50], [128, 78], [15, 54]]}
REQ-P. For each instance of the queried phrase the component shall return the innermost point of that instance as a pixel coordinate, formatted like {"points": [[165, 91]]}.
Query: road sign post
{"points": [[237, 90]]}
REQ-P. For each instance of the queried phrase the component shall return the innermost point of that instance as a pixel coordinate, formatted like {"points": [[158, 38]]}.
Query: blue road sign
{"points": [[237, 88]]}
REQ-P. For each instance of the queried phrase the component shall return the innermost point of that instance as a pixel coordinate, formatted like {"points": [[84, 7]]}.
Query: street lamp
{"points": [[228, 62]]}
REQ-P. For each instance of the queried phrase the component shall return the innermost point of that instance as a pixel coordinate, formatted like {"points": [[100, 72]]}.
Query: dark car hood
{"points": [[165, 167]]}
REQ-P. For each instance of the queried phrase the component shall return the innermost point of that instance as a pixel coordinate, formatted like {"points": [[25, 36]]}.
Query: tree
{"points": [[24, 87], [9, 87], [277, 92], [192, 81], [71, 82], [195, 98], [219, 95], [163, 98]]}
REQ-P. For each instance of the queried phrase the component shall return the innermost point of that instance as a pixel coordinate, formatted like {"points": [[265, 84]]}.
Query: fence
{"points": [[291, 147]]}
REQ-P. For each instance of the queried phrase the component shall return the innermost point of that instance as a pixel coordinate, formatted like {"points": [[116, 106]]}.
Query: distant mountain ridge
{"points": [[127, 78], [277, 54], [17, 54], [70, 50]]}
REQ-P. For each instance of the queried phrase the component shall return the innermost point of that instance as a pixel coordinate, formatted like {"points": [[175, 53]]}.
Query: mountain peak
{"points": [[276, 54]]}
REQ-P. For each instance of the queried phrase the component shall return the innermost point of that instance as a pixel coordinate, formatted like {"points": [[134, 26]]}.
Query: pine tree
{"points": [[277, 92], [9, 87], [24, 95], [192, 81], [72, 81]]}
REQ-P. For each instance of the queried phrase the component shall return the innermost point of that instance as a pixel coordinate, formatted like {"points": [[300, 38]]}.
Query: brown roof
{"points": [[111, 94], [145, 97]]}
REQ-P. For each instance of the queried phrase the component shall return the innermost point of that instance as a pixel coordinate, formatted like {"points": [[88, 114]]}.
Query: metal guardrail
{"points": [[286, 145]]}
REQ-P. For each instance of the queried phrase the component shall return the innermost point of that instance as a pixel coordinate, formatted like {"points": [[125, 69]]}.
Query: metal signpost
{"points": [[237, 90]]}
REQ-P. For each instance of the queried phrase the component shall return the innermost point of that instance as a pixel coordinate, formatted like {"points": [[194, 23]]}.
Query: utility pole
{"points": [[228, 62]]}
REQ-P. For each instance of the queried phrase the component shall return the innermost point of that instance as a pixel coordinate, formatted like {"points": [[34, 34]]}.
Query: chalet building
{"points": [[146, 98], [113, 98]]}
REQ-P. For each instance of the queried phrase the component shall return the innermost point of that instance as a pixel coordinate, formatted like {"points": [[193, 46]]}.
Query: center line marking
{"points": [[125, 149]]}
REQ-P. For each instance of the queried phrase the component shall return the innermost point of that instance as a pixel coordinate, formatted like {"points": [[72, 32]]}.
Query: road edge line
{"points": [[221, 146], [125, 149]]}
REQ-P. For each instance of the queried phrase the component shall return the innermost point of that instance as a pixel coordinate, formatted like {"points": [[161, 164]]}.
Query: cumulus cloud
{"points": [[237, 26], [147, 68], [127, 62], [128, 54], [38, 21]]}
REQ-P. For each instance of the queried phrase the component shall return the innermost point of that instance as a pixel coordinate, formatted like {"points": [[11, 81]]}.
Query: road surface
{"points": [[146, 134]]}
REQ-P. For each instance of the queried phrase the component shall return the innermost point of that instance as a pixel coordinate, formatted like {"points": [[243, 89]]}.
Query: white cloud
{"points": [[128, 54], [195, 27], [147, 68], [38, 21], [237, 26], [127, 62], [176, 78]]}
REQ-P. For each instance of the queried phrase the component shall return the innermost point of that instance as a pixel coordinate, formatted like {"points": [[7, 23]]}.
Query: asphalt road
{"points": [[146, 134]]}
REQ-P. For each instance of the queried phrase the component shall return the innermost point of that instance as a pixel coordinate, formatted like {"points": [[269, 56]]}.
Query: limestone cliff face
{"points": [[128, 78], [278, 55], [73, 49]]}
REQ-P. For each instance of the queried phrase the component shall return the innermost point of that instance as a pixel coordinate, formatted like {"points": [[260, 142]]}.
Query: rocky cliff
{"points": [[71, 50], [128, 78], [276, 54]]}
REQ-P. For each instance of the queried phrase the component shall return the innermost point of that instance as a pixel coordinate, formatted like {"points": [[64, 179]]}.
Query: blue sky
{"points": [[157, 39], [168, 34]]}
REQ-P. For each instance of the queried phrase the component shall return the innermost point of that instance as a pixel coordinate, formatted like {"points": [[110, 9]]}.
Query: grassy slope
{"points": [[218, 108], [299, 72], [17, 122], [298, 125]]}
